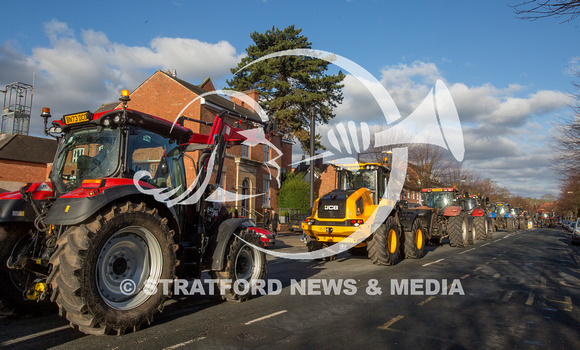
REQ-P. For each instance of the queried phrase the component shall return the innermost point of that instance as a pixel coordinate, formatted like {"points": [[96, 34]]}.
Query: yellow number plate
{"points": [[77, 118]]}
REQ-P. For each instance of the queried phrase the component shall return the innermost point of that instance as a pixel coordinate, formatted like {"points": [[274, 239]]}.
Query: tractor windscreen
{"points": [[501, 210], [353, 180], [86, 153], [439, 200]]}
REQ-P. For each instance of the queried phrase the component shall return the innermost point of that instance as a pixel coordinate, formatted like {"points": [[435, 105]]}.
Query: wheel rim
{"points": [[392, 241], [247, 264], [419, 238], [128, 260], [464, 230]]}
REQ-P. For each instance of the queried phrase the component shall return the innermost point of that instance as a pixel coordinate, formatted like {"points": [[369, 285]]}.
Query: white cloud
{"points": [[79, 72], [504, 127]]}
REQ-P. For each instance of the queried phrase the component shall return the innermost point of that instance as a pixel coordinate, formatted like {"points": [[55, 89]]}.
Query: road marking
{"points": [[465, 251], [497, 240], [477, 268], [483, 245], [35, 335], [433, 262], [265, 317], [415, 334], [391, 322], [426, 300], [464, 276], [176, 346]]}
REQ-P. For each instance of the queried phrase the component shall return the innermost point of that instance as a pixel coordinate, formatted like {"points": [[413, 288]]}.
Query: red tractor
{"points": [[103, 243], [441, 215]]}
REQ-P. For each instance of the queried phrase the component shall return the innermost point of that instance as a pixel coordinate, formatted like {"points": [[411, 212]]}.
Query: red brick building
{"points": [[244, 172], [24, 159]]}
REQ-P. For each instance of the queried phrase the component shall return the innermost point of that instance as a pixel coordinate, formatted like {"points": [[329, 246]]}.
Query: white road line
{"points": [[176, 346], [265, 317], [497, 240], [433, 262], [483, 245], [35, 335], [465, 251]]}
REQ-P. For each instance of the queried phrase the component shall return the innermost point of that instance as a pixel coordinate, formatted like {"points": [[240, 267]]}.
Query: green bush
{"points": [[295, 193]]}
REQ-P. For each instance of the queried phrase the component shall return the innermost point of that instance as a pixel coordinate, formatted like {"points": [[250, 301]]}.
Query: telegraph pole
{"points": [[312, 136]]}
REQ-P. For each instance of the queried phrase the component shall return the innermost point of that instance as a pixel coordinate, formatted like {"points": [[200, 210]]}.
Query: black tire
{"points": [[510, 224], [480, 228], [129, 242], [458, 235], [14, 239], [385, 246], [415, 241], [490, 229], [358, 251], [312, 245], [243, 262]]}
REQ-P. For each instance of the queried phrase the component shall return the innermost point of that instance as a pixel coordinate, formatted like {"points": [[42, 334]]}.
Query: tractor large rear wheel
{"points": [[457, 227], [243, 263], [106, 273], [480, 228], [510, 225], [16, 239], [415, 241], [385, 246]]}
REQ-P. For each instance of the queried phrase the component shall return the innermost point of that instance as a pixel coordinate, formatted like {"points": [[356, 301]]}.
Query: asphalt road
{"points": [[518, 290]]}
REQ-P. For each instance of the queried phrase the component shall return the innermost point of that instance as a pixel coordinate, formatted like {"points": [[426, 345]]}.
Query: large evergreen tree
{"points": [[289, 85]]}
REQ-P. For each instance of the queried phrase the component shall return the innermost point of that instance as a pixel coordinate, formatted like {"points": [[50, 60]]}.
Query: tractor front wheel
{"points": [[106, 273], [243, 263], [415, 241]]}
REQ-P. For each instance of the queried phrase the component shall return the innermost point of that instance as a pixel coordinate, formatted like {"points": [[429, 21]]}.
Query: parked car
{"points": [[296, 221], [575, 239], [572, 227], [267, 237]]}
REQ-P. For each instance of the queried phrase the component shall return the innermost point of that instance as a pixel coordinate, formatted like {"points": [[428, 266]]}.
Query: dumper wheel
{"points": [[312, 245], [16, 240], [245, 266], [358, 251], [480, 227], [458, 235], [385, 246], [106, 273], [415, 241]]}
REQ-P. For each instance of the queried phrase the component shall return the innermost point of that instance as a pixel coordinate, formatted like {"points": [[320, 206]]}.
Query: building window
{"points": [[266, 153], [266, 193], [77, 153], [245, 151]]}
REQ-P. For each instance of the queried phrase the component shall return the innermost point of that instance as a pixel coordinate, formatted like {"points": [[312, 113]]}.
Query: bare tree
{"points": [[535, 9]]}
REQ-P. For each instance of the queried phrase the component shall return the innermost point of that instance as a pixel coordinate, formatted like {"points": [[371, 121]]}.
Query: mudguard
{"points": [[408, 216], [225, 232], [452, 211], [15, 209], [80, 204]]}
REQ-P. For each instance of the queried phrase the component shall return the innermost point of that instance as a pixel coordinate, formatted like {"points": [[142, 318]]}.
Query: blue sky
{"points": [[509, 77]]}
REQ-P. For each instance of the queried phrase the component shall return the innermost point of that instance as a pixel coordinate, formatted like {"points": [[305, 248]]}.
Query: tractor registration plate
{"points": [[77, 117]]}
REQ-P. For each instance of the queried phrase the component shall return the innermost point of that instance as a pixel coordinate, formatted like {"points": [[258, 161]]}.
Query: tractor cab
{"points": [[439, 198], [372, 176]]}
